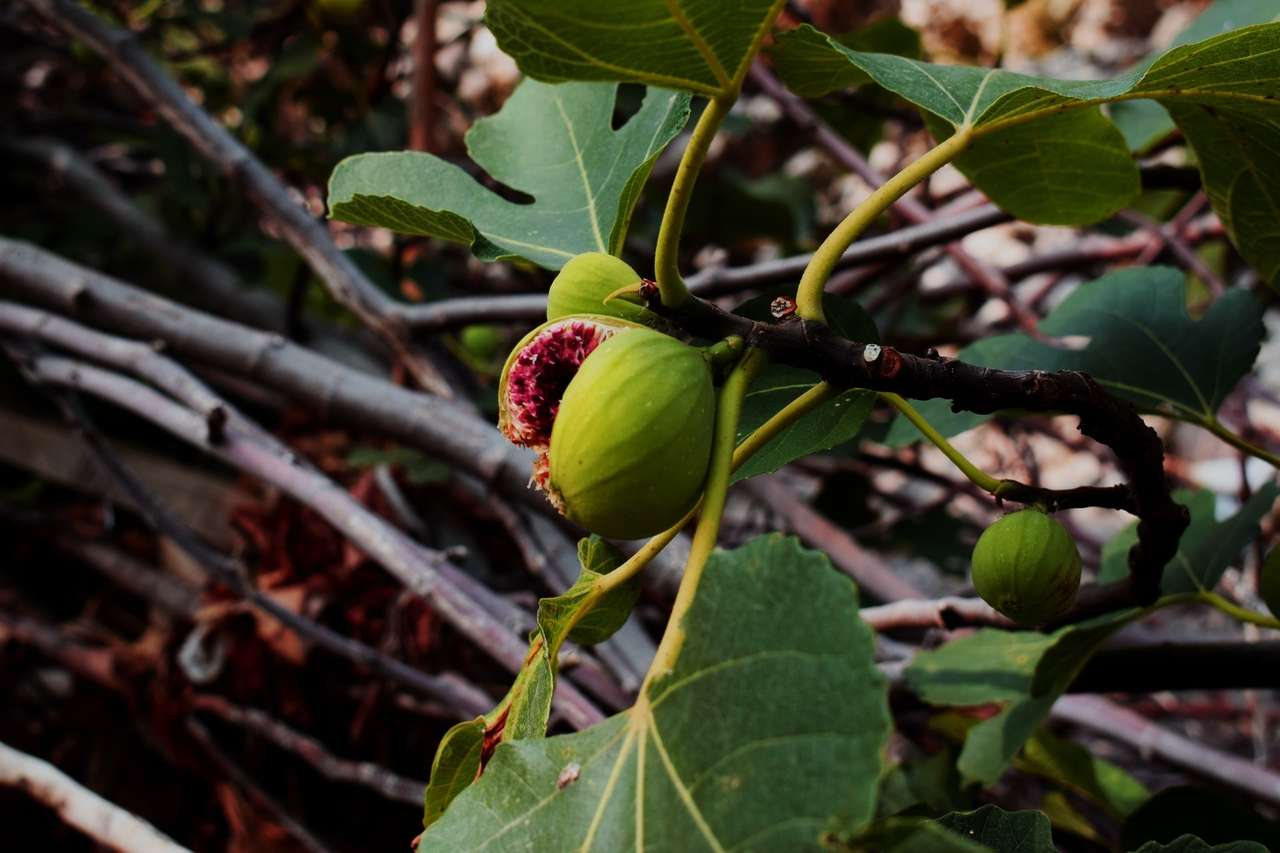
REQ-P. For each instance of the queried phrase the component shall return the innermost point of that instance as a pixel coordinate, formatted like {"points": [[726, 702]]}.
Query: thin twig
{"points": [[243, 780], [370, 775]]}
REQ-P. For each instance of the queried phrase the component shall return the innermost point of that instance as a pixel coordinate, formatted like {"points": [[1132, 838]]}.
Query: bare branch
{"points": [[207, 282], [420, 569], [1104, 418], [1110, 720], [330, 390], [715, 281], [104, 822], [869, 570], [349, 286]]}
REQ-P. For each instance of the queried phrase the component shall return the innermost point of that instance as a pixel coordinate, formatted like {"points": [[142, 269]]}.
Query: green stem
{"points": [[762, 435], [728, 411], [1216, 427], [980, 478], [671, 286], [1235, 611], [809, 294]]}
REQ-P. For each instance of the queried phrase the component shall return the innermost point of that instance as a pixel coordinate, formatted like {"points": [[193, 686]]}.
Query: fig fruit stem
{"points": [[671, 287], [728, 411], [1235, 611], [762, 435], [976, 475], [823, 263], [1216, 427]]}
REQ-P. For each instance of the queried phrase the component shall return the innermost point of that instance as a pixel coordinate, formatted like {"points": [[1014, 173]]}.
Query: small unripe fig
{"points": [[1269, 581], [1027, 567], [621, 417], [583, 285]]}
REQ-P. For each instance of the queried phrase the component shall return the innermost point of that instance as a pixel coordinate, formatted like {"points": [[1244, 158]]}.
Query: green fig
{"points": [[1027, 567], [621, 417], [585, 283], [1269, 581]]}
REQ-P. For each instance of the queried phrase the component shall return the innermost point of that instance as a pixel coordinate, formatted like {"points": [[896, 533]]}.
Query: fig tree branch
{"points": [[1104, 418]]}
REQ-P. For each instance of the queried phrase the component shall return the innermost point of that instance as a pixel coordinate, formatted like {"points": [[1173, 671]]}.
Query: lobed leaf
{"points": [[695, 45], [553, 143], [768, 732], [1206, 549], [1143, 346]]}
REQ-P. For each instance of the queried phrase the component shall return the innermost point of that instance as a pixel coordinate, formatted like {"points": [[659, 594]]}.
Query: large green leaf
{"points": [[990, 665], [554, 143], [1192, 844], [1206, 549], [1002, 831], [701, 46], [1143, 345], [1025, 670], [768, 731], [1144, 122], [1220, 91], [913, 835], [1209, 816], [1068, 763]]}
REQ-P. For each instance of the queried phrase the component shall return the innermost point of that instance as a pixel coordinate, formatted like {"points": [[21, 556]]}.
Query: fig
{"points": [[1027, 567], [583, 285], [1269, 581], [621, 417]]}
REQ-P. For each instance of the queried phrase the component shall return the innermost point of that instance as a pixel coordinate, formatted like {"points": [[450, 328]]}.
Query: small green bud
{"points": [[583, 285]]}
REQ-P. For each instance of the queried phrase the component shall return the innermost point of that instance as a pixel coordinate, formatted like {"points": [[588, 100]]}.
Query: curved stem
{"points": [[976, 475], [785, 417], [671, 286], [1235, 611], [825, 259], [717, 489], [762, 435], [1216, 427]]}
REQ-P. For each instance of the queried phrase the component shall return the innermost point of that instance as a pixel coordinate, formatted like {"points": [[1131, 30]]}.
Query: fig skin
{"points": [[587, 280], [632, 441], [1027, 567], [1269, 581]]}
